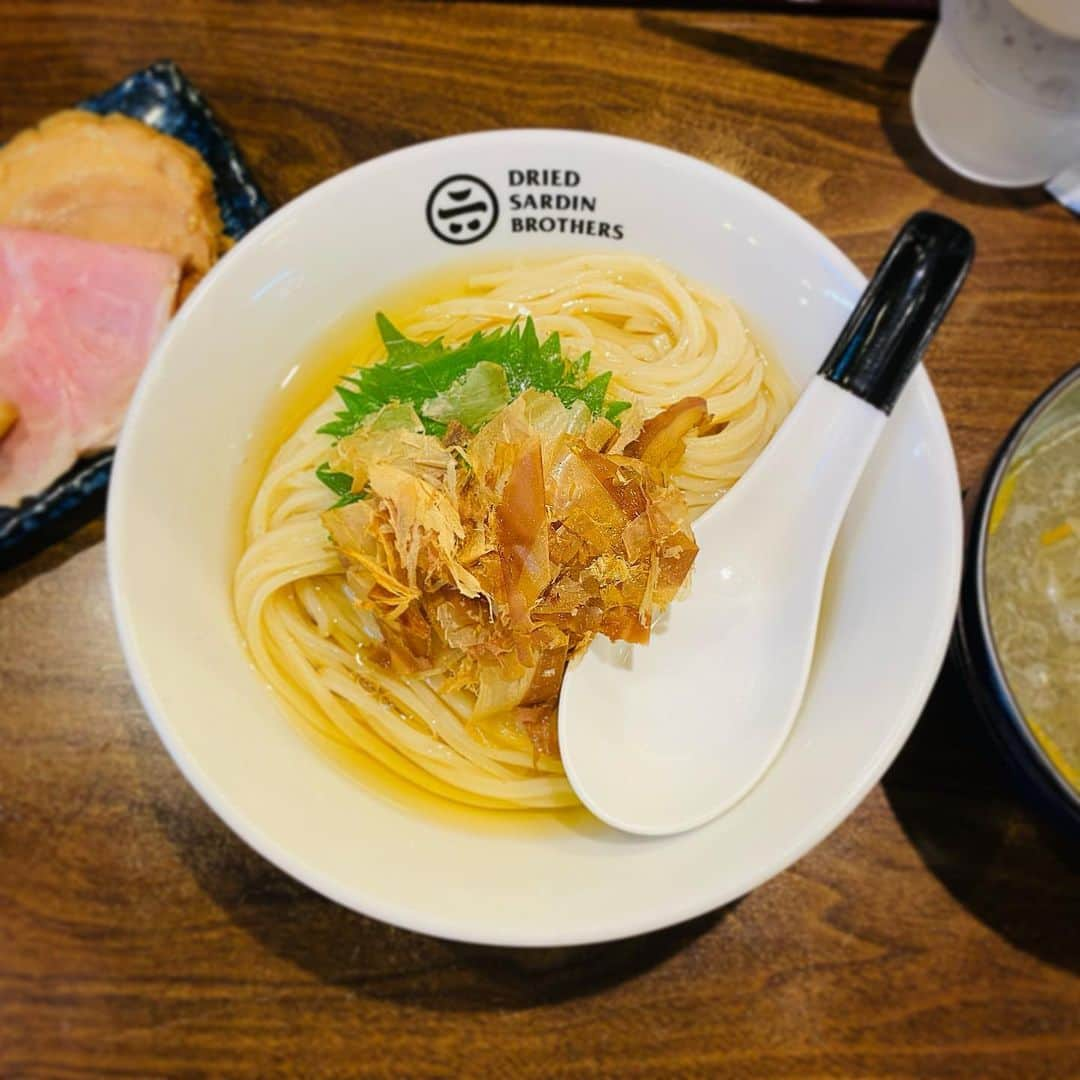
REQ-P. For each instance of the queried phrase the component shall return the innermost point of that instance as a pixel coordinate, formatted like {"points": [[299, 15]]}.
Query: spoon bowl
{"points": [[687, 747]]}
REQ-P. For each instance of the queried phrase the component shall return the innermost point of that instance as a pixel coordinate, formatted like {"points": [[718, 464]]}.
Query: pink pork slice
{"points": [[78, 321]]}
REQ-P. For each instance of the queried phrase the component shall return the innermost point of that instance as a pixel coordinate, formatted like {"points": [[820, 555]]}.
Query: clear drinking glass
{"points": [[997, 97]]}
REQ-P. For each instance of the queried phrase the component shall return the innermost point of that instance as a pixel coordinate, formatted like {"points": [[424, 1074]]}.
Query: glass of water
{"points": [[997, 97]]}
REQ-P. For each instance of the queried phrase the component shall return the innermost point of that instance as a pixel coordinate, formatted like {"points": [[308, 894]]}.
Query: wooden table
{"points": [[936, 933]]}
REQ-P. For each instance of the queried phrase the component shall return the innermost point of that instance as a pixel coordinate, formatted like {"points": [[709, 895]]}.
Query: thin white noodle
{"points": [[662, 337]]}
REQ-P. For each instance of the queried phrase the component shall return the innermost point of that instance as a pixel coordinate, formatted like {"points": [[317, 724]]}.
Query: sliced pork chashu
{"points": [[78, 321], [113, 179]]}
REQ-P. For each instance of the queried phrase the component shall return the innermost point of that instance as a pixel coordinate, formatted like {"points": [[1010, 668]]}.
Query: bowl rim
{"points": [[616, 927], [1000, 693]]}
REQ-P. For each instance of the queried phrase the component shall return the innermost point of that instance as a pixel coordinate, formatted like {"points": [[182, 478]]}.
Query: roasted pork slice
{"points": [[113, 179], [78, 321]]}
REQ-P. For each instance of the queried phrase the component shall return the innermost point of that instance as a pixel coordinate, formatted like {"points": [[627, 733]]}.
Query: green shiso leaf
{"points": [[466, 383], [340, 484]]}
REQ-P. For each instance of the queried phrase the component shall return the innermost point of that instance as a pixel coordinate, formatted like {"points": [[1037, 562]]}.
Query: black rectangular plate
{"points": [[163, 98]]}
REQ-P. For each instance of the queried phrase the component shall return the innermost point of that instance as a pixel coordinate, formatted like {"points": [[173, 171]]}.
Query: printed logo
{"points": [[462, 209]]}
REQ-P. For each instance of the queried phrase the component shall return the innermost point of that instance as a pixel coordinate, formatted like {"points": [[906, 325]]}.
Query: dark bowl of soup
{"points": [[1019, 625]]}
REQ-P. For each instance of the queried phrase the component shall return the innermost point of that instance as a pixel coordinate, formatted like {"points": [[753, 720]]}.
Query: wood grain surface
{"points": [[936, 933]]}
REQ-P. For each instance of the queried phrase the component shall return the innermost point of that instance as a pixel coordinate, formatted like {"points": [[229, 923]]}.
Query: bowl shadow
{"points": [[953, 797], [888, 89], [342, 948]]}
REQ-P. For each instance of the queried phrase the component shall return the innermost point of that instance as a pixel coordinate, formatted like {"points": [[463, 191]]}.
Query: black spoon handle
{"points": [[901, 309]]}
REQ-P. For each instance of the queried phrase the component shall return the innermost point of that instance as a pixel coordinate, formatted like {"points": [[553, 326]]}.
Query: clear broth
{"points": [[349, 342]]}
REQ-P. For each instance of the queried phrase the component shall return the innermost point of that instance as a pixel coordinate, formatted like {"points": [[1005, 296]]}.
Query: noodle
{"points": [[663, 338]]}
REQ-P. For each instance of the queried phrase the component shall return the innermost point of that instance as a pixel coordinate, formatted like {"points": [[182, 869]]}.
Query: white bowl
{"points": [[173, 517]]}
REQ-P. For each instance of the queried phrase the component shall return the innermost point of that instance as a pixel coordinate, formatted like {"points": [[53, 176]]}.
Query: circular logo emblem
{"points": [[462, 209]]}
